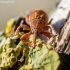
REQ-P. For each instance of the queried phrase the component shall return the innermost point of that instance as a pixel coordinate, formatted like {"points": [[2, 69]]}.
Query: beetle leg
{"points": [[49, 35], [25, 37], [25, 27], [26, 18], [47, 27], [50, 21]]}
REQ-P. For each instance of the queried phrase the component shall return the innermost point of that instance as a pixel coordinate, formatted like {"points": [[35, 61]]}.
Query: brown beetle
{"points": [[38, 22]]}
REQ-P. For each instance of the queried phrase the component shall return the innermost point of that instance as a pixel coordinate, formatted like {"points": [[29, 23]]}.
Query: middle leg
{"points": [[25, 27]]}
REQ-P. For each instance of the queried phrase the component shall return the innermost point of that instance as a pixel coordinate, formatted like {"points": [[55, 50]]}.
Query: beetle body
{"points": [[38, 22]]}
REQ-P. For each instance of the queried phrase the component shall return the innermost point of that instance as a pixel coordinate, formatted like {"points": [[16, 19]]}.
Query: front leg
{"points": [[49, 35], [49, 22], [46, 28], [25, 37]]}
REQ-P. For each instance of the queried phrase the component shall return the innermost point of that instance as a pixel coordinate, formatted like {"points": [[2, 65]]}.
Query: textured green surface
{"points": [[43, 57], [9, 54]]}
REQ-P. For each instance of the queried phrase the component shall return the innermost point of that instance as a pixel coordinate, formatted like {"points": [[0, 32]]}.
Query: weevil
{"points": [[38, 24]]}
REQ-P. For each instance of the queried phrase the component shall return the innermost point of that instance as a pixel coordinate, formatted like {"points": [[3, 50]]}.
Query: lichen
{"points": [[9, 54], [42, 58]]}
